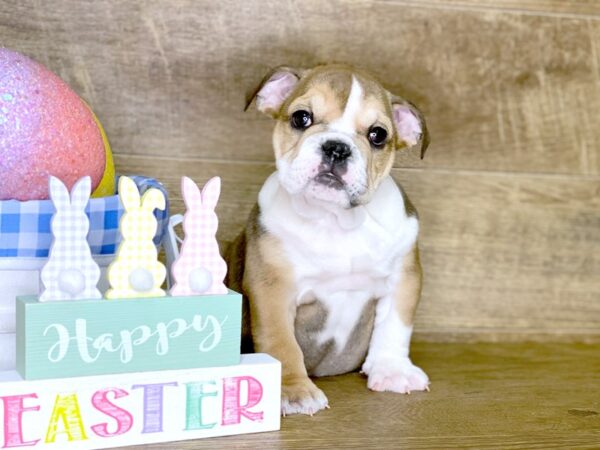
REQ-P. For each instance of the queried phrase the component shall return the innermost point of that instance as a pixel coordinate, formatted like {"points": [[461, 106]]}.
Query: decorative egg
{"points": [[46, 129]]}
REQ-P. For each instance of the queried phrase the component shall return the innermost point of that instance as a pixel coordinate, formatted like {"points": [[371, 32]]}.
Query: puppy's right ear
{"points": [[274, 88]]}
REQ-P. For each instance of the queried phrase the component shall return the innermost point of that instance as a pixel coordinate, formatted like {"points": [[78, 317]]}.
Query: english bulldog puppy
{"points": [[329, 262]]}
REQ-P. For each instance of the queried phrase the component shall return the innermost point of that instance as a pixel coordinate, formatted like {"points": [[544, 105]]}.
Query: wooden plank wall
{"points": [[509, 192]]}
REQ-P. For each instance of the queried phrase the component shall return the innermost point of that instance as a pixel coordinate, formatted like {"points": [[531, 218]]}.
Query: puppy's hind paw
{"points": [[301, 396]]}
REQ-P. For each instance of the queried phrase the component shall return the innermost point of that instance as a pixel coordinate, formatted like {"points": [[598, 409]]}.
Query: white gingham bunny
{"points": [[71, 272], [136, 271], [200, 269]]}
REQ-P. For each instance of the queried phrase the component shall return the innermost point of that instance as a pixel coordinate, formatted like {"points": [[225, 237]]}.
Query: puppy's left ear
{"points": [[410, 125], [274, 88]]}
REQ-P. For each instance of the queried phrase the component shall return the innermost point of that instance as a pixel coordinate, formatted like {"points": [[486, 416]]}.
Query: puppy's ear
{"points": [[410, 125], [274, 88]]}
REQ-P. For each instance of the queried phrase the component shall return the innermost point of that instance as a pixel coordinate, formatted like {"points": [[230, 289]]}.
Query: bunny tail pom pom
{"points": [[141, 280], [200, 280], [71, 281]]}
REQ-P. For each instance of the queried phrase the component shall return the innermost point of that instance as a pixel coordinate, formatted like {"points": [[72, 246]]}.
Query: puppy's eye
{"points": [[377, 137], [301, 120]]}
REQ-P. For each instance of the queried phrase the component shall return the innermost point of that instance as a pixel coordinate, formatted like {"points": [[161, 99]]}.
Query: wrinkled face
{"points": [[336, 133]]}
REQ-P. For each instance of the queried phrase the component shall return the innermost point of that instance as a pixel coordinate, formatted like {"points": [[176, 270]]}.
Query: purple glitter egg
{"points": [[45, 129]]}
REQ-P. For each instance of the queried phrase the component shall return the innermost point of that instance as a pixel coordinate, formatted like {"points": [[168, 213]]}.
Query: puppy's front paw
{"points": [[301, 396], [400, 376]]}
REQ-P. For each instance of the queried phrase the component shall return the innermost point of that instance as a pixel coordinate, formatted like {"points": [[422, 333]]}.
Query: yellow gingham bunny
{"points": [[136, 271]]}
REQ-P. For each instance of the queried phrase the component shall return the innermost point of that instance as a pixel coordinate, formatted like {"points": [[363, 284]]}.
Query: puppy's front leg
{"points": [[388, 365], [270, 291]]}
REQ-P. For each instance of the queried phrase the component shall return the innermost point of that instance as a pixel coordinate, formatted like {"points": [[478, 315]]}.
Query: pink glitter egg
{"points": [[45, 129]]}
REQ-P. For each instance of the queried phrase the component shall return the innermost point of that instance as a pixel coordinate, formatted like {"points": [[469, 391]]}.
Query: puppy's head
{"points": [[337, 131]]}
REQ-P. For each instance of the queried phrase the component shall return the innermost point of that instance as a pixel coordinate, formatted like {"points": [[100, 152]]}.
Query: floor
{"points": [[509, 396]]}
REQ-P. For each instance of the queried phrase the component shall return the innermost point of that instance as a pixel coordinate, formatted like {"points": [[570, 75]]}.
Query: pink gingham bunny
{"points": [[200, 269], [71, 272]]}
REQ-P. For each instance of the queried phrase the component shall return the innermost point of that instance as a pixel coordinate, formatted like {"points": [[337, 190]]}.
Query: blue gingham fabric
{"points": [[25, 226]]}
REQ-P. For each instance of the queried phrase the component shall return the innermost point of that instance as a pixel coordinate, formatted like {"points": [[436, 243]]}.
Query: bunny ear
{"points": [[59, 194], [211, 192], [191, 194], [80, 194], [153, 198], [129, 194]]}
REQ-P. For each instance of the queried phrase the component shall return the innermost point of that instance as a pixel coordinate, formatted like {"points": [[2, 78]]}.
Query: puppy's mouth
{"points": [[329, 179], [330, 174]]}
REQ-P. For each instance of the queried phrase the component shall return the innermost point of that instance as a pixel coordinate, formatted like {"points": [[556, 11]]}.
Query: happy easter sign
{"points": [[138, 408], [93, 337]]}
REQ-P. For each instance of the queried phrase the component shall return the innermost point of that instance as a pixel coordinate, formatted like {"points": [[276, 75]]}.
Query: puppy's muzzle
{"points": [[334, 164]]}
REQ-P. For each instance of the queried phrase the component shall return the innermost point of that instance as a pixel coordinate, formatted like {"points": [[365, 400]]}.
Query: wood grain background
{"points": [[509, 192]]}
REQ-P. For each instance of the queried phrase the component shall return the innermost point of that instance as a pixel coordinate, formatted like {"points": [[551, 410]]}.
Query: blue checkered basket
{"points": [[25, 226]]}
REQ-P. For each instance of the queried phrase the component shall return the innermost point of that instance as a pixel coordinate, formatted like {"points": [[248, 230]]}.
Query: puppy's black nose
{"points": [[336, 151]]}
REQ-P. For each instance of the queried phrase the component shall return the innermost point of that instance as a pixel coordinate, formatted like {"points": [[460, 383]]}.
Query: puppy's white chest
{"points": [[329, 263], [332, 252]]}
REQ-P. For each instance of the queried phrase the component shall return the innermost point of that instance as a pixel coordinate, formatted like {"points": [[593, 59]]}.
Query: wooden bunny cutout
{"points": [[71, 272], [136, 271], [200, 269]]}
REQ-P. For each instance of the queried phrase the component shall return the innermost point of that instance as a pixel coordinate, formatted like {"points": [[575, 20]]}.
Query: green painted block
{"points": [[95, 337]]}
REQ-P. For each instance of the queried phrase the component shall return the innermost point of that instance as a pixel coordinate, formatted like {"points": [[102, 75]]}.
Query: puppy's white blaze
{"points": [[346, 123]]}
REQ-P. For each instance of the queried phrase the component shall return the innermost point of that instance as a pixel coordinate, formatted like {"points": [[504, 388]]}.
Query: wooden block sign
{"points": [[140, 408], [94, 337]]}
